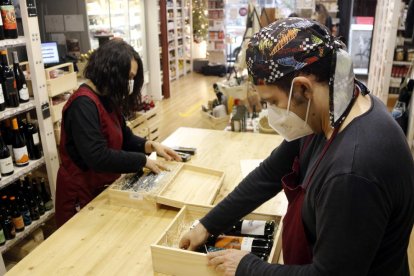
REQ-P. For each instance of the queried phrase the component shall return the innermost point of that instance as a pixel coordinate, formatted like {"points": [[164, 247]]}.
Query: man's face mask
{"points": [[289, 125], [131, 87]]}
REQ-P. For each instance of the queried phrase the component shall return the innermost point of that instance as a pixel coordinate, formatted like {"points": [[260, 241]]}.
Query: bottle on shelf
{"points": [[17, 217], [253, 228], [6, 162], [2, 96], [45, 196], [8, 136], [37, 198], [8, 82], [21, 84], [7, 223], [32, 139], [9, 19], [2, 237], [24, 208], [33, 206], [1, 28], [21, 156]]}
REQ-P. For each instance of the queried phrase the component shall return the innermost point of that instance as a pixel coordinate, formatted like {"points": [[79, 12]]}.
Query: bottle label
{"points": [[229, 242], [1, 93], [18, 222], [21, 156], [9, 17], [247, 244], [36, 140], [2, 237], [10, 85], [6, 165], [24, 93], [253, 227], [26, 217]]}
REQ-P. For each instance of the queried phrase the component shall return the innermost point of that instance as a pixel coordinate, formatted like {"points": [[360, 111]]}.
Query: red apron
{"points": [[75, 188], [296, 248]]}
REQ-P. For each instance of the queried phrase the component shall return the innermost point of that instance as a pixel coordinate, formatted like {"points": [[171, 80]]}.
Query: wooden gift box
{"points": [[167, 258], [62, 83], [185, 183]]}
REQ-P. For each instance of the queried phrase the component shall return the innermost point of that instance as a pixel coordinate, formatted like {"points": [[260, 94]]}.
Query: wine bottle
{"points": [[8, 136], [6, 162], [9, 19], [21, 155], [2, 99], [33, 207], [7, 223], [17, 217], [2, 237], [37, 198], [253, 228], [20, 80], [45, 195], [1, 28], [8, 82], [32, 138], [24, 208], [254, 245]]}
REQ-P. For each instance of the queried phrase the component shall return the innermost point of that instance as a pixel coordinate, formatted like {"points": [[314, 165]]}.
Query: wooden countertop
{"points": [[104, 239]]}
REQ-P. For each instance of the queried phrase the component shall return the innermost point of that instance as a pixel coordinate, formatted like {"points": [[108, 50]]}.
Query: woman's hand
{"points": [[162, 151], [226, 261], [194, 238], [154, 166]]}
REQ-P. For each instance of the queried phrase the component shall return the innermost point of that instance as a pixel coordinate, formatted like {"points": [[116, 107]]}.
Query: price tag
{"points": [[135, 196]]}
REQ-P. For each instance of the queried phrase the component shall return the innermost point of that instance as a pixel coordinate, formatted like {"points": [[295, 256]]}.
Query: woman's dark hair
{"points": [[320, 69], [109, 67]]}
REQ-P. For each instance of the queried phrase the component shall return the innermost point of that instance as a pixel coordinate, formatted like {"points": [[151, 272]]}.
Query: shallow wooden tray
{"points": [[185, 183], [169, 259]]}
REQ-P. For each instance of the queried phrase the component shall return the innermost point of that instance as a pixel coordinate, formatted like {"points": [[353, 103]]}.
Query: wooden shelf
{"points": [[28, 229], [23, 107], [403, 63], [8, 43], [21, 171]]}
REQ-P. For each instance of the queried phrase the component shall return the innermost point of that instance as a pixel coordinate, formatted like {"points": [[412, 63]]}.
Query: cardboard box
{"points": [[168, 258], [183, 184]]}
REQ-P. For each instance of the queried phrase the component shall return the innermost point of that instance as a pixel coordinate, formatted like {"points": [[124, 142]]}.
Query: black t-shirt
{"points": [[87, 146], [358, 211]]}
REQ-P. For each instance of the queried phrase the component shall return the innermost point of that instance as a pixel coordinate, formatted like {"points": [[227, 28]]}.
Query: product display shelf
{"points": [[21, 171], [8, 43], [216, 46], [23, 107], [32, 41], [27, 231]]}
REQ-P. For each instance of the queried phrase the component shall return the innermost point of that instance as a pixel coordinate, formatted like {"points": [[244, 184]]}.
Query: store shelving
{"points": [[39, 103], [27, 231], [178, 22], [23, 107], [21, 171]]}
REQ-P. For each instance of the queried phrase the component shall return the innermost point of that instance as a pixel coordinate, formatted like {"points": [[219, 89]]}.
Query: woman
{"points": [[96, 145], [323, 17], [345, 165]]}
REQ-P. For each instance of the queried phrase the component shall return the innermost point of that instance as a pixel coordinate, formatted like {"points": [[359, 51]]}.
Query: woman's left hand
{"points": [[163, 151], [226, 261]]}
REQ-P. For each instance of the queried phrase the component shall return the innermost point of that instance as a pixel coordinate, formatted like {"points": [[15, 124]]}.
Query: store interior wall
{"points": [[67, 7]]}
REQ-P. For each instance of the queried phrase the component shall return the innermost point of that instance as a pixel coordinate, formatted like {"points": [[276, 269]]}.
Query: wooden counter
{"points": [[105, 239]]}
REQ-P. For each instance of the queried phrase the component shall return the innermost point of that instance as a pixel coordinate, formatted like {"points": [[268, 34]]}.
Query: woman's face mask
{"points": [[131, 87], [289, 125]]}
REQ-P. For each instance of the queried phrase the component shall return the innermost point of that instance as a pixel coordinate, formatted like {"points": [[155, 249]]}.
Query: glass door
{"points": [[99, 20]]}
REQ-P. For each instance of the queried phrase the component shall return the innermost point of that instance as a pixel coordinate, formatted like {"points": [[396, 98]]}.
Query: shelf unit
{"points": [[40, 103], [216, 47], [176, 22], [388, 22]]}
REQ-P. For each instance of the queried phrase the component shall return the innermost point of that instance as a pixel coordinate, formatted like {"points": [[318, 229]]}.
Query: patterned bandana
{"points": [[290, 44]]}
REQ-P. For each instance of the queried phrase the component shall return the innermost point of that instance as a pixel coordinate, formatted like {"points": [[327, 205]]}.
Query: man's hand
{"points": [[161, 150], [194, 238], [226, 261]]}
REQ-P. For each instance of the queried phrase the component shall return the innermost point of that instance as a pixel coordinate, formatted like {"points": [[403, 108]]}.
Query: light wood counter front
{"points": [[105, 239]]}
